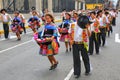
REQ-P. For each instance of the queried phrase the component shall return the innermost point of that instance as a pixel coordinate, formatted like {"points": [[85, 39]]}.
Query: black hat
{"points": [[100, 11], [33, 8], [83, 21], [3, 10]]}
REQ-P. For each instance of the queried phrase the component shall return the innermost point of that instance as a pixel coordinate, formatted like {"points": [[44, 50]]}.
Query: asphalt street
{"points": [[20, 60]]}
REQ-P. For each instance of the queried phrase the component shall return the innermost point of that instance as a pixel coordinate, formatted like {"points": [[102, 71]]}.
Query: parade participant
{"points": [[34, 22], [23, 22], [48, 42], [88, 14], [63, 14], [63, 29], [16, 25], [114, 15], [46, 11], [80, 43], [108, 23], [75, 17], [79, 11], [72, 27], [5, 18], [94, 34], [33, 9], [102, 27]]}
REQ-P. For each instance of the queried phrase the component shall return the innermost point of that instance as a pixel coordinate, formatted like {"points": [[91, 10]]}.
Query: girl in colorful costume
{"points": [[47, 40], [15, 26], [63, 30], [34, 22]]}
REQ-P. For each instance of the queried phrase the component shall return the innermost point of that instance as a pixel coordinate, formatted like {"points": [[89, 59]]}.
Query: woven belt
{"points": [[102, 27], [75, 42]]}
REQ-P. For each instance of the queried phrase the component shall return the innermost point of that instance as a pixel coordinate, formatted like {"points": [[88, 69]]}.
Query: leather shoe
{"points": [[87, 73], [77, 76]]}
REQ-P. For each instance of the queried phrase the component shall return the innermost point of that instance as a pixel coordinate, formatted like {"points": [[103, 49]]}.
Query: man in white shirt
{"points": [[5, 18], [81, 37], [114, 15], [94, 34]]}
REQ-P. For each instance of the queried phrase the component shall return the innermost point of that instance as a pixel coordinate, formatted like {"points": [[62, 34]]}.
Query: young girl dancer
{"points": [[47, 41]]}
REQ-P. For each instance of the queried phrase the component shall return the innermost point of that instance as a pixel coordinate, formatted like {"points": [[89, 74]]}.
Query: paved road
{"points": [[19, 60]]}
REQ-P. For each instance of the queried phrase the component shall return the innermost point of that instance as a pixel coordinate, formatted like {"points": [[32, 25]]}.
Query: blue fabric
{"points": [[74, 20], [35, 18], [17, 19], [49, 26], [66, 21], [39, 34]]}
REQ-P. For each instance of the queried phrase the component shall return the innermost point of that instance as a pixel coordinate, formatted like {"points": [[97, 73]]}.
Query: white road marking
{"points": [[15, 46], [71, 72], [13, 37], [69, 75], [117, 38]]}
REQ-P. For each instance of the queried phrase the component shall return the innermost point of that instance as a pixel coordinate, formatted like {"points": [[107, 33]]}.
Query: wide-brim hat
{"points": [[83, 21]]}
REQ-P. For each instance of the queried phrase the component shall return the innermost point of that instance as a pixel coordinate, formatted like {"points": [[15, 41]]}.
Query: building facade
{"points": [[52, 5], [118, 4]]}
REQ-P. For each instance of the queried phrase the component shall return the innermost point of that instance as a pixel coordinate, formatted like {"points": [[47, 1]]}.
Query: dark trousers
{"points": [[23, 26], [76, 58], [114, 21], [94, 39], [110, 31], [63, 18], [6, 30], [102, 36]]}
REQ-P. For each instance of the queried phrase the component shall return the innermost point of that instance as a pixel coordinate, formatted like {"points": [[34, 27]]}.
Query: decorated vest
{"points": [[85, 38], [64, 27], [45, 35]]}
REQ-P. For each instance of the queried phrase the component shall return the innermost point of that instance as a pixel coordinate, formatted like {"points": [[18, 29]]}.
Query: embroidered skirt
{"points": [[49, 48]]}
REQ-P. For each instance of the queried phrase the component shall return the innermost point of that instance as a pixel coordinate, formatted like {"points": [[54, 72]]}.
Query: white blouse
{"points": [[78, 34]]}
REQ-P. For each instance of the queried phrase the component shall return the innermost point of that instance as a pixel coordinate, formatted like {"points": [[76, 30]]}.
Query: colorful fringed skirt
{"points": [[50, 48]]}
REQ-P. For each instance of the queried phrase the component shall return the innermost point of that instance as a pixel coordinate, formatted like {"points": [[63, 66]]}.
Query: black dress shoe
{"points": [[87, 73], [77, 76], [90, 53], [97, 53]]}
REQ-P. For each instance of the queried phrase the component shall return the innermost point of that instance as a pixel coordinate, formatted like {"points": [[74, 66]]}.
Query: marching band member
{"points": [[63, 29], [94, 34], [80, 43], [48, 42]]}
